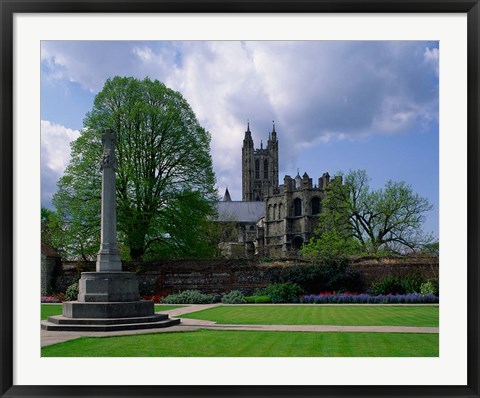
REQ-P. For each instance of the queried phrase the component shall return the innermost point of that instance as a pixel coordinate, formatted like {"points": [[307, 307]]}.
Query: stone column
{"points": [[108, 284], [108, 258], [108, 299]]}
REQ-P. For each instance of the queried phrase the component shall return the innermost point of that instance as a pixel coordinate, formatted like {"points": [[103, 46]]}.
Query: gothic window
{"points": [[316, 206], [297, 207], [270, 212], [280, 211], [257, 168], [297, 242], [265, 170], [274, 211]]}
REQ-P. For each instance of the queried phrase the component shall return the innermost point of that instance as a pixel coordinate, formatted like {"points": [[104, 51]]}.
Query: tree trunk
{"points": [[136, 253]]}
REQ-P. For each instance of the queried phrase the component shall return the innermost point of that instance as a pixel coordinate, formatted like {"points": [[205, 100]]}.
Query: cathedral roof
{"points": [[239, 211]]}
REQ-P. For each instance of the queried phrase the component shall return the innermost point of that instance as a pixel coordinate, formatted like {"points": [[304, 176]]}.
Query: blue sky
{"points": [[337, 105]]}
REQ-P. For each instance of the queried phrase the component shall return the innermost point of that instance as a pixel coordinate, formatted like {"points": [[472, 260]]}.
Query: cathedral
{"points": [[259, 167], [272, 220]]}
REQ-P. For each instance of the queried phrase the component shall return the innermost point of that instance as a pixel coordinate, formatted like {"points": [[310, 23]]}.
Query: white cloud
{"points": [[315, 91], [144, 53], [55, 155], [431, 56], [55, 144]]}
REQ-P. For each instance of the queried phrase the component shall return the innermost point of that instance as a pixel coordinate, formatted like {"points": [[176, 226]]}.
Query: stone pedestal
{"points": [[108, 301], [108, 295], [107, 287]]}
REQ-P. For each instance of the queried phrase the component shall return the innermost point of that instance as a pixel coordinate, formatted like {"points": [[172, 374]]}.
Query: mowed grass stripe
{"points": [[56, 309], [375, 315], [220, 343]]}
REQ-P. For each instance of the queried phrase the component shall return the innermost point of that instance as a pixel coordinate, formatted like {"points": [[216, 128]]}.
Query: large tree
{"points": [[165, 181], [357, 219]]}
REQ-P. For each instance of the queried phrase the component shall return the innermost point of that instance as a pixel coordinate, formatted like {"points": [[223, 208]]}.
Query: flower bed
{"points": [[50, 299], [353, 298], [155, 298]]}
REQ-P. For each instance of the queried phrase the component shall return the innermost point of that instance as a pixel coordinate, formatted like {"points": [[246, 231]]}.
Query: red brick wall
{"points": [[219, 276]]}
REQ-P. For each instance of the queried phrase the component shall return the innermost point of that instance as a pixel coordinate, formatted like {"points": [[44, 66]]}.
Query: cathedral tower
{"points": [[259, 167]]}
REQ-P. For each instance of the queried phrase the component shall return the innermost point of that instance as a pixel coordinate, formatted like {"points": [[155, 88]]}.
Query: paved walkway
{"points": [[54, 337]]}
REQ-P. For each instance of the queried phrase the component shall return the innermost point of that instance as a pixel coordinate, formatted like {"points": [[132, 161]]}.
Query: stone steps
{"points": [[62, 320], [60, 323]]}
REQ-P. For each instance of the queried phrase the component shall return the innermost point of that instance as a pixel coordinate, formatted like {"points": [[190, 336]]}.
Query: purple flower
{"points": [[328, 298], [50, 299]]}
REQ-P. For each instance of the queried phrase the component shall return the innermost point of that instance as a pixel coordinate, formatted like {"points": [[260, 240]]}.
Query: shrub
{"points": [[411, 282], [258, 299], [234, 297], [72, 292], [386, 285], [429, 287], [189, 297], [284, 292], [330, 275]]}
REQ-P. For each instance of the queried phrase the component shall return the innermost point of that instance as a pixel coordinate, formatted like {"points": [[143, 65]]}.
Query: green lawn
{"points": [[50, 310], [56, 309], [374, 315], [220, 343]]}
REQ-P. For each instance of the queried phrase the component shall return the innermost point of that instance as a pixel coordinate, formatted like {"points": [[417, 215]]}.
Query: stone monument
{"points": [[109, 298]]}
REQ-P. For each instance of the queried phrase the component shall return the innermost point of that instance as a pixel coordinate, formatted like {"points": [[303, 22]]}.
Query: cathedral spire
{"points": [[226, 197], [274, 133], [248, 141]]}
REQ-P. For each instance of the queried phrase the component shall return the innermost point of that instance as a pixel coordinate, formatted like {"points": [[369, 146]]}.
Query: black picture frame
{"points": [[10, 7]]}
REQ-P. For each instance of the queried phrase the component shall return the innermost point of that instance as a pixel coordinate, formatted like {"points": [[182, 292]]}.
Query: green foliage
{"points": [[330, 244], [46, 225], [189, 297], [258, 299], [410, 283], [51, 229], [429, 287], [386, 285], [329, 275], [334, 238], [165, 182], [234, 297], [72, 292], [217, 233], [283, 292], [356, 219], [431, 249]]}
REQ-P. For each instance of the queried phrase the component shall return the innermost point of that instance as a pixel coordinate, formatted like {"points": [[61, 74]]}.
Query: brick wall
{"points": [[373, 269], [220, 276]]}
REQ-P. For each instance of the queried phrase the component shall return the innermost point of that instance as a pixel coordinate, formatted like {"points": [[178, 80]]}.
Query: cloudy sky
{"points": [[337, 105]]}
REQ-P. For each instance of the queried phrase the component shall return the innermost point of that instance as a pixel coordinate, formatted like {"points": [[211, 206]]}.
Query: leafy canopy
{"points": [[165, 180]]}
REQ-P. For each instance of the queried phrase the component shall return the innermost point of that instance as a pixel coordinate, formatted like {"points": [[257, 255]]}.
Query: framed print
{"points": [[390, 87]]}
